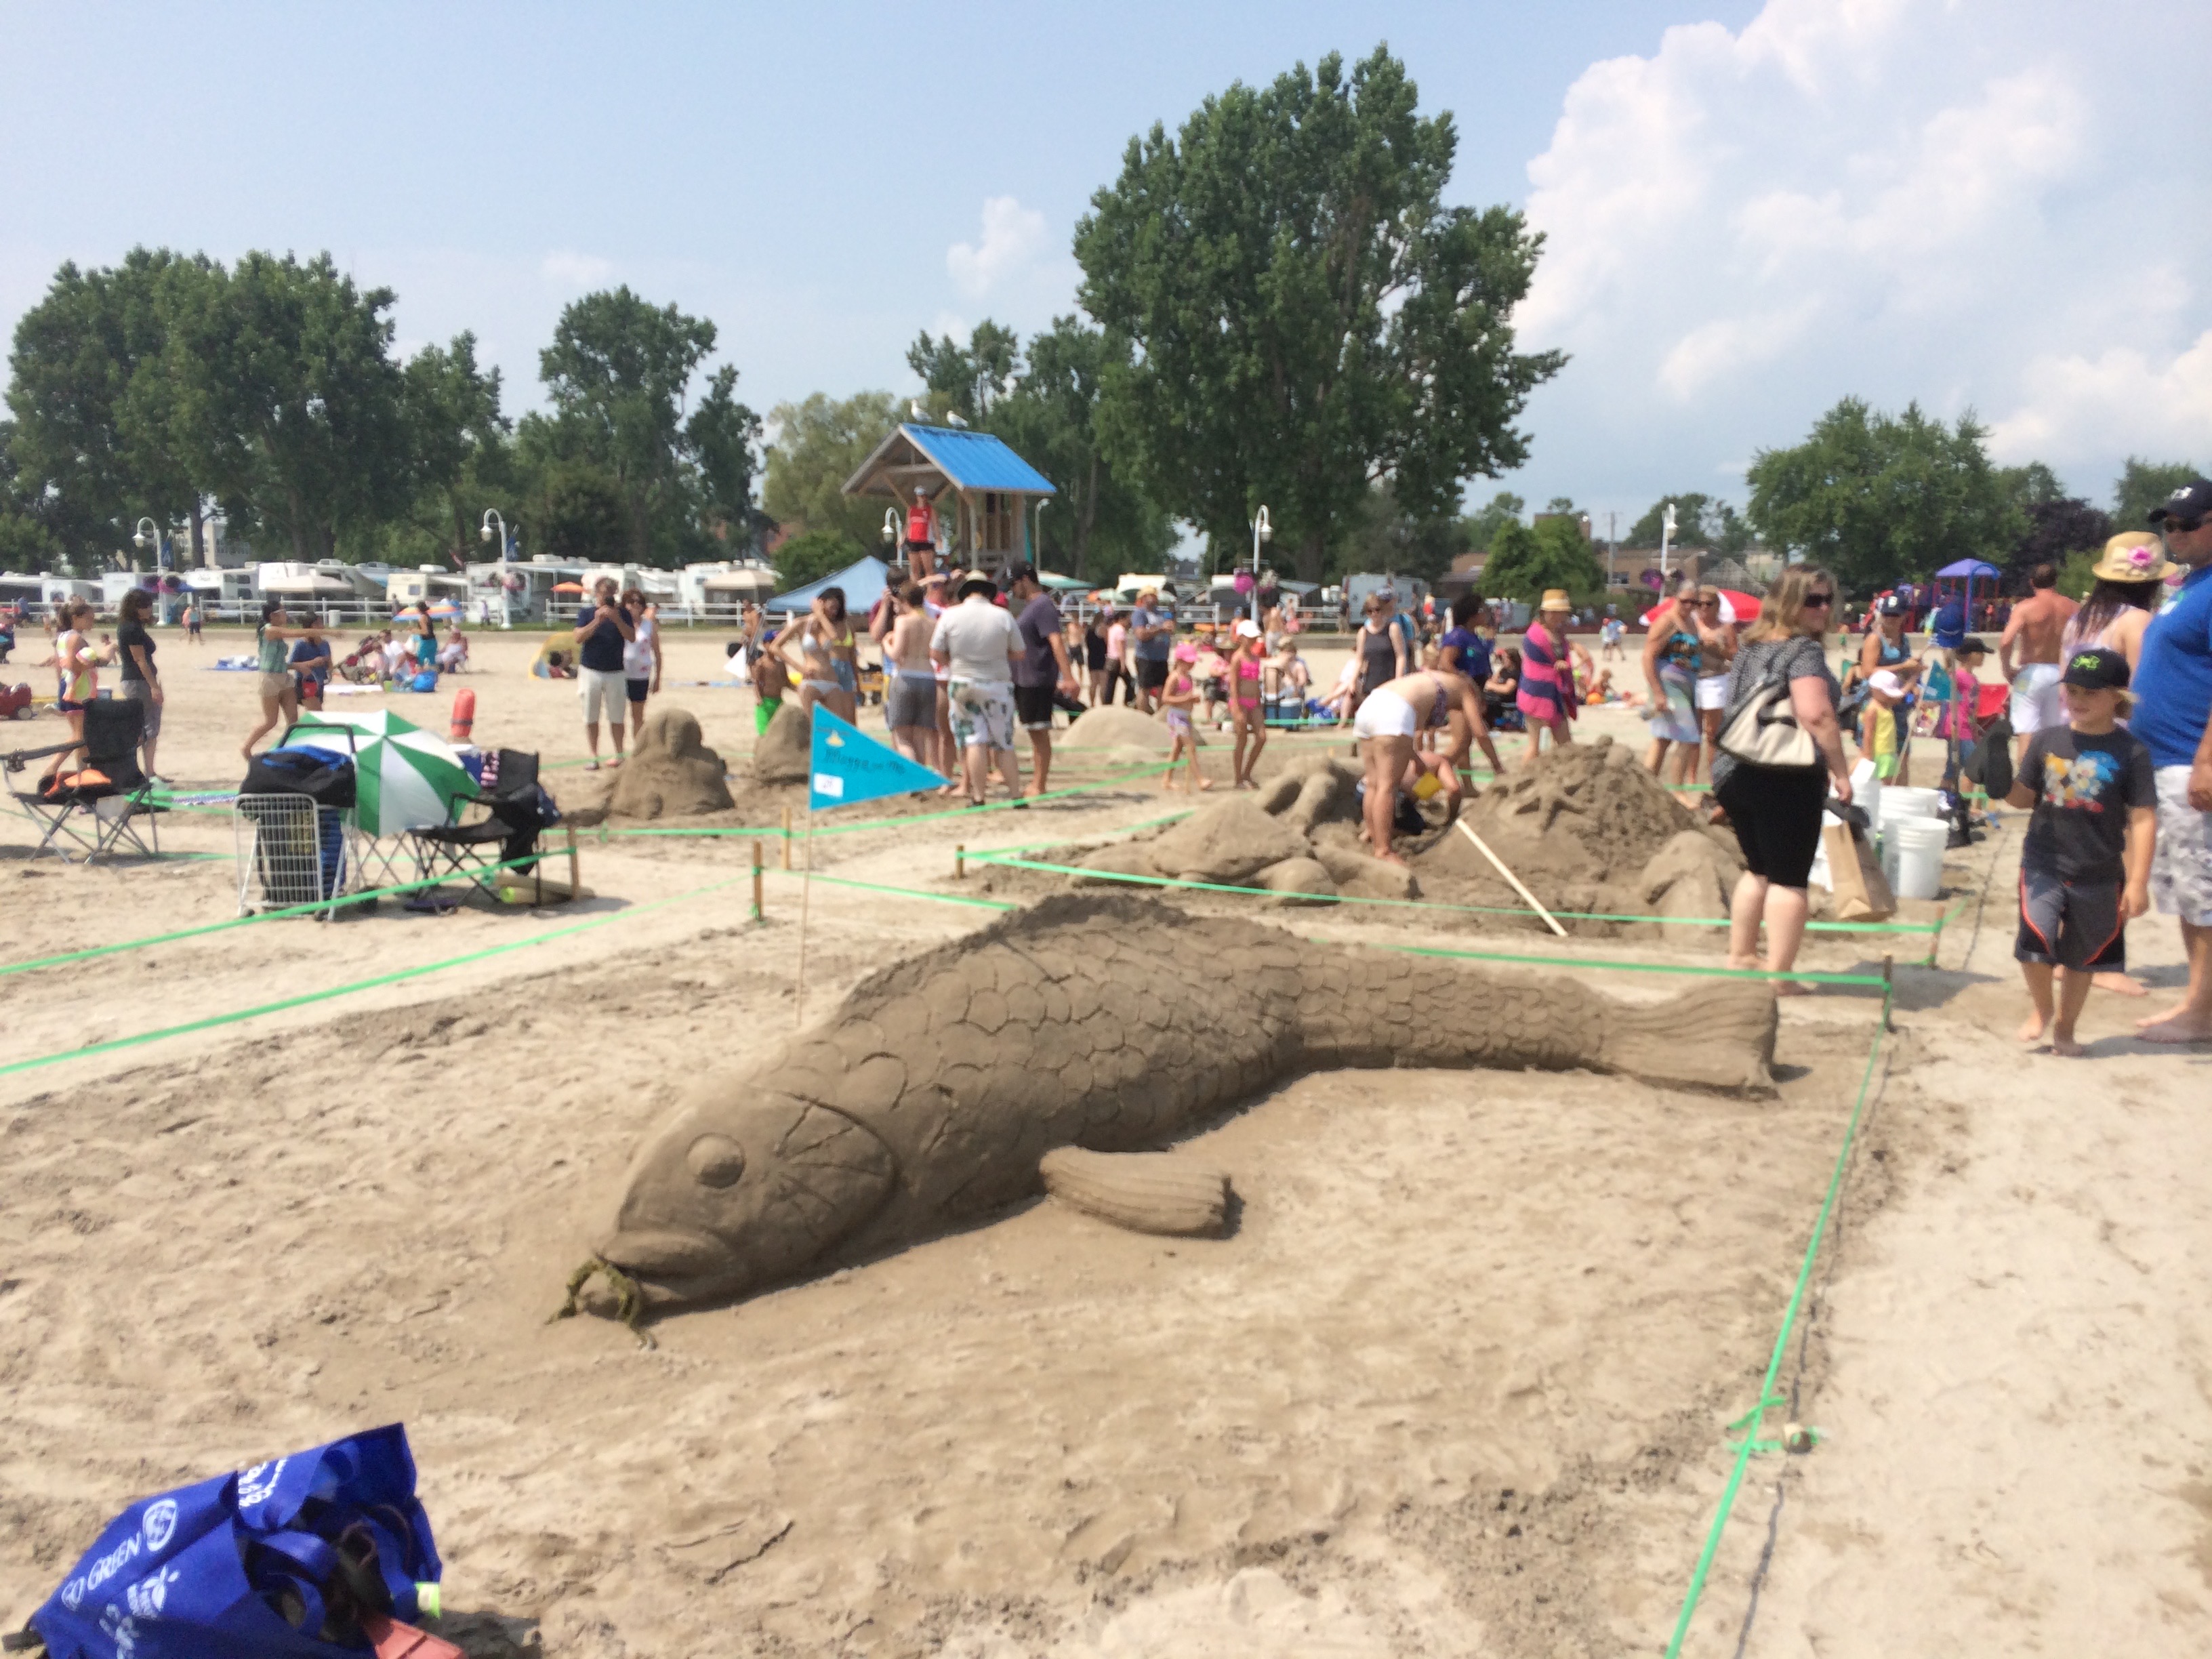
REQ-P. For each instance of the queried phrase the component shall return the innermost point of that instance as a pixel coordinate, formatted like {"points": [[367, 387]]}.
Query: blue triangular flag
{"points": [[848, 767]]}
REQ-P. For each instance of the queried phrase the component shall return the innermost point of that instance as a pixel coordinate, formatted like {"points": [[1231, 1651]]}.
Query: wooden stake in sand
{"points": [[1499, 864], [786, 835], [806, 886], [756, 881]]}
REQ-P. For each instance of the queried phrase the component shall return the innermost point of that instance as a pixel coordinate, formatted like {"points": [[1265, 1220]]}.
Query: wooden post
{"points": [[575, 880], [960, 862], [805, 890], [1888, 989], [786, 837], [756, 880]]}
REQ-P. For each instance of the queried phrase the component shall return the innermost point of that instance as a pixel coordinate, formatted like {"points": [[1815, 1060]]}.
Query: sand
{"points": [[1454, 1383]]}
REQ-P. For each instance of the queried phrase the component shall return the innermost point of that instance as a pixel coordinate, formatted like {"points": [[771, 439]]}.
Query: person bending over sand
{"points": [[1388, 727]]}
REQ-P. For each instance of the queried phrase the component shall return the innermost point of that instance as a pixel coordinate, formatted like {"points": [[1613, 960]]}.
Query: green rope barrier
{"points": [[1753, 1421], [902, 892], [367, 895], [1010, 863], [215, 1020]]}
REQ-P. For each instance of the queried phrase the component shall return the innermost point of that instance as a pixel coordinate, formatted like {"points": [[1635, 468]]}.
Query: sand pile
{"points": [[672, 774], [1298, 836], [1587, 828], [1116, 725], [785, 749]]}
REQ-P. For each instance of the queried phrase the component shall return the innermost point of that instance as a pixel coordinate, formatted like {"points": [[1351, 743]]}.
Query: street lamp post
{"points": [[148, 534], [1036, 551], [1666, 541], [1262, 532], [491, 519]]}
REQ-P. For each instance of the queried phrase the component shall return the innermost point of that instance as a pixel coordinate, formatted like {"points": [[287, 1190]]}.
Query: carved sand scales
{"points": [[1051, 1050]]}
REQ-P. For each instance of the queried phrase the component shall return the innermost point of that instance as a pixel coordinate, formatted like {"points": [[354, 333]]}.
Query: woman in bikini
{"points": [[910, 698], [1547, 697], [1247, 670], [1389, 727], [819, 632]]}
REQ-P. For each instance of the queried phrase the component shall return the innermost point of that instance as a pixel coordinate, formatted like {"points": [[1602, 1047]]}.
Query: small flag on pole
{"points": [[848, 767]]}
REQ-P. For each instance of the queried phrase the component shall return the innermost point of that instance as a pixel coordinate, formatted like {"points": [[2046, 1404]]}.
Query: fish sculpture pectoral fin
{"points": [[1144, 1192], [1718, 1036]]}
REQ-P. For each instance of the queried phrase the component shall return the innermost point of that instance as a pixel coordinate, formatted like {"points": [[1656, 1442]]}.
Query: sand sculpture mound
{"points": [[671, 774], [784, 752], [1115, 726], [938, 1089], [1298, 836], [1588, 829]]}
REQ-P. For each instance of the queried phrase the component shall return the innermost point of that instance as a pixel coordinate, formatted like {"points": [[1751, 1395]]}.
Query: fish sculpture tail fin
{"points": [[1719, 1036]]}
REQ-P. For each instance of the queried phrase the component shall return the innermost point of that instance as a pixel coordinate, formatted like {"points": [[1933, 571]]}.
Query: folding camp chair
{"points": [[505, 836], [93, 805]]}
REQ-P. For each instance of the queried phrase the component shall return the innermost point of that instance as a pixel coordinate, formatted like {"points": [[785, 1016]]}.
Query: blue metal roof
{"points": [[976, 460]]}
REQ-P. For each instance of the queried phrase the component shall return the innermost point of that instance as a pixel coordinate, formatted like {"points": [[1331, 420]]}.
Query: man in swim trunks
{"points": [[2028, 654], [1389, 727], [1044, 669], [977, 644]]}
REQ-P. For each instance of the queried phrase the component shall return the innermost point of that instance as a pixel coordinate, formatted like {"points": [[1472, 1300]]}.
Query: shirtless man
{"points": [[910, 697], [2028, 654], [1388, 725]]}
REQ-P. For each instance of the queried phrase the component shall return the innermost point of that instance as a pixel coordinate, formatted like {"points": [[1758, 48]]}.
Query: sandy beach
{"points": [[1455, 1383]]}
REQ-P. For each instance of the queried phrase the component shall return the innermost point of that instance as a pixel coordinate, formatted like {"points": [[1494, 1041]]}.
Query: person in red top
{"points": [[921, 535]]}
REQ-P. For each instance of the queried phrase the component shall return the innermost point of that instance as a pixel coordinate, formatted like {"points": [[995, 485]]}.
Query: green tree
{"points": [[820, 443], [725, 440], [25, 544], [458, 444], [1381, 537], [2142, 485], [619, 374], [96, 433], [568, 507], [2031, 485], [1308, 317], [1879, 498], [812, 555], [969, 380], [287, 402], [1099, 525], [1524, 563], [1691, 509], [1484, 524]]}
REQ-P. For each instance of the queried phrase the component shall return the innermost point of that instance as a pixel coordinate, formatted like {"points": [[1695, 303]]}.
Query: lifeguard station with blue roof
{"points": [[982, 491]]}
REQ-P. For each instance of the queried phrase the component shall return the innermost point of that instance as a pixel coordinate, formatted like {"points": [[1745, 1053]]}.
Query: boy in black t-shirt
{"points": [[2085, 871]]}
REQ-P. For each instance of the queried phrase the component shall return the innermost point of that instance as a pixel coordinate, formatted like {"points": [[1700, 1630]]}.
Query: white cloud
{"points": [[2163, 406], [1012, 238], [567, 268], [1937, 200]]}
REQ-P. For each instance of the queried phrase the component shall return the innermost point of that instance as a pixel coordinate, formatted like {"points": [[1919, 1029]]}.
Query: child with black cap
{"points": [[2085, 871]]}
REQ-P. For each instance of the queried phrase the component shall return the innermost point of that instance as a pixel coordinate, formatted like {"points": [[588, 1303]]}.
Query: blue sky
{"points": [[1754, 207]]}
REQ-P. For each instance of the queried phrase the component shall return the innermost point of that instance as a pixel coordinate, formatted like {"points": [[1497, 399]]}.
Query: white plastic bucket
{"points": [[1899, 803], [1912, 855], [1865, 792]]}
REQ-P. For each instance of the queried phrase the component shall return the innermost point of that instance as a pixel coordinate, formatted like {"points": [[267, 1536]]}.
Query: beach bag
{"points": [[1855, 876], [306, 1554], [327, 780], [1765, 730], [1990, 763]]}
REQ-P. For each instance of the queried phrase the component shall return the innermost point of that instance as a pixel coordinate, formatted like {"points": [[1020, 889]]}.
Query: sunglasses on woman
{"points": [[1814, 601]]}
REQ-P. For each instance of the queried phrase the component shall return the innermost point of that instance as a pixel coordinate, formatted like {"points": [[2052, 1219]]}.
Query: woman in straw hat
{"points": [[1547, 697], [2125, 598]]}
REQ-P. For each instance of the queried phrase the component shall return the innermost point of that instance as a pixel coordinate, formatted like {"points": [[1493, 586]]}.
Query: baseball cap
{"points": [[2098, 668], [1885, 681], [1020, 572], [1891, 606], [1246, 628], [2191, 501]]}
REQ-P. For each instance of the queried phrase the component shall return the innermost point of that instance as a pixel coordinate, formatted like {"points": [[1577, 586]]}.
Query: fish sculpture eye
{"points": [[716, 1160]]}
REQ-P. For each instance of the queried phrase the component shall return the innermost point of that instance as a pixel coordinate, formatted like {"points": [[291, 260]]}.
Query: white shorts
{"points": [[1712, 690], [2036, 706], [1385, 715], [602, 689], [2181, 859], [983, 714]]}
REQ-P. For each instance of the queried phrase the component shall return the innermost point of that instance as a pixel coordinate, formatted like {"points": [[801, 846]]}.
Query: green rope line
{"points": [[901, 892], [1754, 1421], [1010, 863], [290, 910], [215, 1020]]}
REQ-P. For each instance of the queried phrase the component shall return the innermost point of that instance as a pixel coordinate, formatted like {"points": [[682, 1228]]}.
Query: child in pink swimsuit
{"points": [[1178, 698], [1248, 668]]}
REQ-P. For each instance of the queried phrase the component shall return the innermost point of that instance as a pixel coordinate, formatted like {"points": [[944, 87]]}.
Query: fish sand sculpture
{"points": [[975, 1075]]}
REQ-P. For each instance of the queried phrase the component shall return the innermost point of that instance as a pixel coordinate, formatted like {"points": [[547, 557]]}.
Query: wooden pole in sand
{"points": [[758, 862], [1483, 847], [786, 835], [806, 887]]}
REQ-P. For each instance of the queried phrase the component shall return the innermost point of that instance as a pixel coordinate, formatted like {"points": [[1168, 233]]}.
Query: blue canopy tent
{"points": [[863, 583], [987, 522]]}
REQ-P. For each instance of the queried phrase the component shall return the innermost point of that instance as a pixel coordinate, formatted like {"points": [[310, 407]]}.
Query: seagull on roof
{"points": [[916, 410], [952, 418]]}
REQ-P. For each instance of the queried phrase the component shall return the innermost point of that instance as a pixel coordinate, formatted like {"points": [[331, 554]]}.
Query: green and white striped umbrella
{"points": [[405, 778]]}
